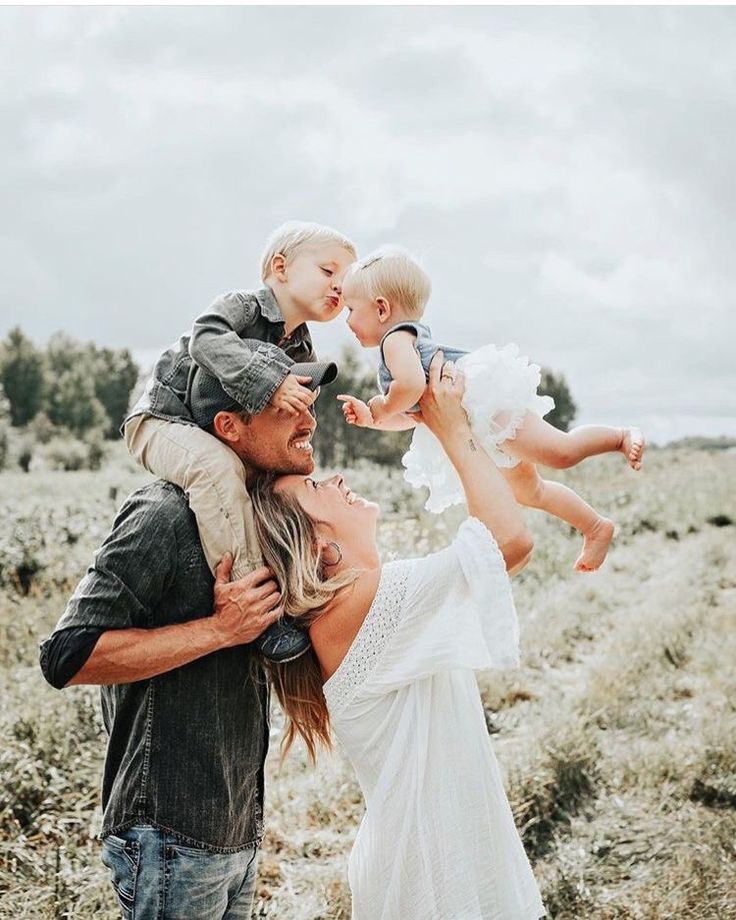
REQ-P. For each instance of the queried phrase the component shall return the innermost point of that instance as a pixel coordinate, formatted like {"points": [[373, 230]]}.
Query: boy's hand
{"points": [[356, 412], [291, 396]]}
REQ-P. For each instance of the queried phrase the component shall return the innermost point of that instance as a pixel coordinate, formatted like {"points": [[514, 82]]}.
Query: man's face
{"points": [[275, 440]]}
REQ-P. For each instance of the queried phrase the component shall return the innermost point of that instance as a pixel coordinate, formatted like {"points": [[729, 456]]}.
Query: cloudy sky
{"points": [[566, 175]]}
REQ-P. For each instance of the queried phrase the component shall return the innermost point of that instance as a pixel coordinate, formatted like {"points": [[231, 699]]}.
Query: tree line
{"points": [[81, 391], [70, 385]]}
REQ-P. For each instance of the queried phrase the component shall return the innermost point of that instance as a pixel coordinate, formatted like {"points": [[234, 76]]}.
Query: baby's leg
{"points": [[214, 479], [532, 491], [540, 442]]}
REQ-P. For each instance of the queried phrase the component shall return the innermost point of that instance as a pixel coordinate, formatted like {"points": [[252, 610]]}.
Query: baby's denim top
{"points": [[424, 345], [240, 340]]}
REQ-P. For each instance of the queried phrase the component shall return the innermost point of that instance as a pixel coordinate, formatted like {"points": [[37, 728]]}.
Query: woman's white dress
{"points": [[500, 388], [438, 840]]}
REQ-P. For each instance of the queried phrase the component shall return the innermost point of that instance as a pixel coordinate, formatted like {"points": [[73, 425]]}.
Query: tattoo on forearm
{"points": [[471, 444]]}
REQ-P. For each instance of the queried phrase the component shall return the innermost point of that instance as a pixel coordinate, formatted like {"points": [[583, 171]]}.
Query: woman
{"points": [[395, 647]]}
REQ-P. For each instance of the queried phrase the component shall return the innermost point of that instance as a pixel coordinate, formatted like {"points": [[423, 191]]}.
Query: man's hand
{"points": [[244, 608], [355, 411], [291, 396]]}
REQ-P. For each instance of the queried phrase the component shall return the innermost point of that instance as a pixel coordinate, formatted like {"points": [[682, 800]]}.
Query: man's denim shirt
{"points": [[236, 340], [186, 748]]}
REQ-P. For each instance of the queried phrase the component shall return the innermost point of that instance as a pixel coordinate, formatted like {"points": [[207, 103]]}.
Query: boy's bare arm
{"points": [[243, 609]]}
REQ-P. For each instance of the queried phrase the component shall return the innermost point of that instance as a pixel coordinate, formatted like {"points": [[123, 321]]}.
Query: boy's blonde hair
{"points": [[391, 272], [294, 235]]}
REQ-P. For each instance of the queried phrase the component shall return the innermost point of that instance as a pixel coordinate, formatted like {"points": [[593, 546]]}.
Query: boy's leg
{"points": [[539, 442], [213, 477], [555, 498]]}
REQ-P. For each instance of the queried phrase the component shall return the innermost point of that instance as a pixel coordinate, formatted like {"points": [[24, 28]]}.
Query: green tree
{"points": [[115, 375], [73, 403], [21, 376], [564, 412], [104, 378]]}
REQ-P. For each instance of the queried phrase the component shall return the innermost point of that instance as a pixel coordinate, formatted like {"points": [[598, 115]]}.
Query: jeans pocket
{"points": [[122, 858]]}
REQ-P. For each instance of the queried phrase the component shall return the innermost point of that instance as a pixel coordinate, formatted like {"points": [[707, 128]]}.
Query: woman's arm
{"points": [[488, 495]]}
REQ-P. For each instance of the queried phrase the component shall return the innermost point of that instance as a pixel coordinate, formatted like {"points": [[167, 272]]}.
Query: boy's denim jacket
{"points": [[236, 341]]}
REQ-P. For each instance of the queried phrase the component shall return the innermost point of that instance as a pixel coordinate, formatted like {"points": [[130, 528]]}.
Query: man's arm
{"points": [[109, 632], [243, 609]]}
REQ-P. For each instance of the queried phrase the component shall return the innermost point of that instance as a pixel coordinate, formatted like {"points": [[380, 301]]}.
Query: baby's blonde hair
{"points": [[294, 235], [391, 272]]}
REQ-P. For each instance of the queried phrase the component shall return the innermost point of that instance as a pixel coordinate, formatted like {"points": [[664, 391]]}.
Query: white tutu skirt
{"points": [[500, 388]]}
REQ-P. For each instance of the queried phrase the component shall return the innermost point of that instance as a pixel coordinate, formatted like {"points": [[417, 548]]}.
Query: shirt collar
{"points": [[269, 305]]}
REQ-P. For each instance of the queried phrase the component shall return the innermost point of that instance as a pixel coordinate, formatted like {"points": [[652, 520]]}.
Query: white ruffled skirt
{"points": [[500, 388]]}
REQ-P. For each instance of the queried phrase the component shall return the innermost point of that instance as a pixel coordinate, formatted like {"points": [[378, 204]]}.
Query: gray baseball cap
{"points": [[207, 397]]}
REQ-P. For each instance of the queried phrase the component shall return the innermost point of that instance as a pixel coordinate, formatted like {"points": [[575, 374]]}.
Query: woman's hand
{"points": [[441, 404]]}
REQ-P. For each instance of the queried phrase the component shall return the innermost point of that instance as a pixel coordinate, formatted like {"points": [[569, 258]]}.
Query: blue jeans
{"points": [[157, 877]]}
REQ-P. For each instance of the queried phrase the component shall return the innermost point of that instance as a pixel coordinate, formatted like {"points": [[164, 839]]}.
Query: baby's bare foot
{"points": [[632, 447], [595, 546]]}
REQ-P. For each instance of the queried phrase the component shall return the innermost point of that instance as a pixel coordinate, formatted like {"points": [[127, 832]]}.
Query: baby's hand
{"points": [[377, 408], [356, 412], [290, 396]]}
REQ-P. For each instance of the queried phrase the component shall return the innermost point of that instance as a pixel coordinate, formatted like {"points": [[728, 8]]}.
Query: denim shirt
{"points": [[186, 748], [424, 345], [236, 340]]}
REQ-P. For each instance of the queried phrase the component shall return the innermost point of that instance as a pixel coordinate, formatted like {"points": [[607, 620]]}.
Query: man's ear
{"points": [[224, 427], [384, 310], [278, 266]]}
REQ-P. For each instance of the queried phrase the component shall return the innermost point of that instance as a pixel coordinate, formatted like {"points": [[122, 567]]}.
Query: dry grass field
{"points": [[617, 736]]}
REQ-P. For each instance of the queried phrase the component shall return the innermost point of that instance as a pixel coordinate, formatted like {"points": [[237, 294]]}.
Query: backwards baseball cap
{"points": [[207, 397]]}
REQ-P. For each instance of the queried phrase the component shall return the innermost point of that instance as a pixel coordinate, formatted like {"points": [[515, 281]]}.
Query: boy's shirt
{"points": [[236, 341]]}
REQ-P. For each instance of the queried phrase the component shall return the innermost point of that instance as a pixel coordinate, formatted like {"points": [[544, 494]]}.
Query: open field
{"points": [[617, 736]]}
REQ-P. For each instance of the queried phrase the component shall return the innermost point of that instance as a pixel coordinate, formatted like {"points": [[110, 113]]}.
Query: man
{"points": [[184, 698]]}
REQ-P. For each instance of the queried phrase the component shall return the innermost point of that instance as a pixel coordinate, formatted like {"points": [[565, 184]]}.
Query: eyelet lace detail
{"points": [[378, 627]]}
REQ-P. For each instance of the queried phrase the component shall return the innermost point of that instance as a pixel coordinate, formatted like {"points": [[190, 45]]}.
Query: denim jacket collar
{"points": [[269, 305]]}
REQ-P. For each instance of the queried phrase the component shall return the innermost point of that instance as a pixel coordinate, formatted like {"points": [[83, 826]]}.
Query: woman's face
{"points": [[339, 513]]}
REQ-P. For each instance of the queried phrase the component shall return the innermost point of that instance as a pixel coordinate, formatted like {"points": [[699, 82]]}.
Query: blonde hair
{"points": [[294, 235], [393, 273], [289, 543]]}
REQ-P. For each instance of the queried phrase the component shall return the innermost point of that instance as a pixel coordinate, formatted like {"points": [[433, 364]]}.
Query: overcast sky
{"points": [[566, 175]]}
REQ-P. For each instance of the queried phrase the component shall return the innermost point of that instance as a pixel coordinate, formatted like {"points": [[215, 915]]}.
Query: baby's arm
{"points": [[408, 382], [356, 412]]}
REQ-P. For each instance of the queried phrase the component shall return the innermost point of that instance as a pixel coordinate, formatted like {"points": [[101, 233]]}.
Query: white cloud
{"points": [[565, 173]]}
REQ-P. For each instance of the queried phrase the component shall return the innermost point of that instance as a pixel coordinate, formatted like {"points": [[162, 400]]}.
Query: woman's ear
{"points": [[384, 310], [329, 552]]}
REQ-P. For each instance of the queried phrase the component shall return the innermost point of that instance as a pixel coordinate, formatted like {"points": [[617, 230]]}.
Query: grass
{"points": [[617, 736]]}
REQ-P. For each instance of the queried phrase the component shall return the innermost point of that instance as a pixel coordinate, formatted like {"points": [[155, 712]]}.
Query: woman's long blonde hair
{"points": [[290, 546]]}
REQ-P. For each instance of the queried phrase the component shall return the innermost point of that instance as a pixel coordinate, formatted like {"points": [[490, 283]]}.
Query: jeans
{"points": [[157, 877]]}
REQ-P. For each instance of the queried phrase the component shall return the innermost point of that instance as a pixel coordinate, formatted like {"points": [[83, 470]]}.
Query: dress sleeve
{"points": [[458, 612], [450, 610]]}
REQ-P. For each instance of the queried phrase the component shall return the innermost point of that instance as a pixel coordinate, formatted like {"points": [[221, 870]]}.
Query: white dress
{"points": [[438, 840], [500, 388]]}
